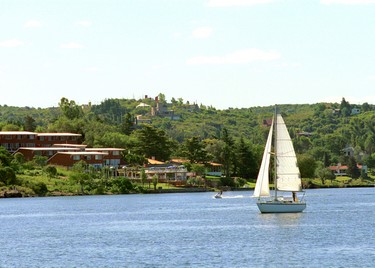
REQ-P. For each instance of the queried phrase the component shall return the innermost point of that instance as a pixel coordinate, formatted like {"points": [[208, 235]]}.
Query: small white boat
{"points": [[287, 176], [219, 195]]}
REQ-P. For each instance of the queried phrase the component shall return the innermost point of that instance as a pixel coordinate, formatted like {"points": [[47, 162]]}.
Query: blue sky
{"points": [[224, 53]]}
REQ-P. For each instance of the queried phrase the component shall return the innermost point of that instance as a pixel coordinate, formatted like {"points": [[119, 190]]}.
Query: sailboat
{"points": [[287, 178]]}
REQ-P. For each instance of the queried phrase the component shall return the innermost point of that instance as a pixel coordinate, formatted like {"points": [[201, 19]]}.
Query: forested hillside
{"points": [[232, 137]]}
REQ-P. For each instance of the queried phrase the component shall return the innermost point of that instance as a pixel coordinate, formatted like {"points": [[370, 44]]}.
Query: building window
{"points": [[76, 157], [116, 153], [98, 157]]}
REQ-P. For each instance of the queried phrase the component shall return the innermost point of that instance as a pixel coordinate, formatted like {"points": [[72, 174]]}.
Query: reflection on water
{"points": [[188, 230], [281, 219]]}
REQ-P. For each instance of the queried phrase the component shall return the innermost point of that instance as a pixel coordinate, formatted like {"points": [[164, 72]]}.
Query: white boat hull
{"points": [[281, 206]]}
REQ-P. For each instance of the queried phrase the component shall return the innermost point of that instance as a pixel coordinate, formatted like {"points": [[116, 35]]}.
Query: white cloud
{"points": [[33, 24], [347, 2], [290, 65], [2, 69], [11, 43], [84, 23], [202, 32], [229, 3], [71, 45], [177, 34], [237, 57], [91, 70]]}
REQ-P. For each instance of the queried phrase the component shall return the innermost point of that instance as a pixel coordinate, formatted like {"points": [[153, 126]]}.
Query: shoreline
{"points": [[19, 194]]}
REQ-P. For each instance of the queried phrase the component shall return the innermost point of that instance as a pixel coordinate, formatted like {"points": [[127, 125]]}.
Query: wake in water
{"points": [[231, 196]]}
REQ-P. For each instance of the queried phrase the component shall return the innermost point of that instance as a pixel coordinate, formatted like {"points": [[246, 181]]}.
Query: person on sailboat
{"points": [[295, 199]]}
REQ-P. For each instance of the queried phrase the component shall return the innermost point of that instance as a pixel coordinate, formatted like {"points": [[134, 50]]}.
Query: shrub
{"points": [[40, 188], [7, 176]]}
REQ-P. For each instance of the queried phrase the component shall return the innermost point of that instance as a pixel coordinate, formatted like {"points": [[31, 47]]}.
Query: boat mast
{"points": [[274, 154]]}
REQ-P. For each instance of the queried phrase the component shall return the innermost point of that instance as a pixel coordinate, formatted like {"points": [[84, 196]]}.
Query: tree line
{"points": [[233, 137]]}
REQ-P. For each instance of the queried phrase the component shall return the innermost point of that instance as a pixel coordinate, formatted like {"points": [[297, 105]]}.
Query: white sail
{"points": [[288, 175], [262, 185]]}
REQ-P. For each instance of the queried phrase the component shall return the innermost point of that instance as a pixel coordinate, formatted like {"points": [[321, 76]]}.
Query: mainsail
{"points": [[288, 175], [262, 185]]}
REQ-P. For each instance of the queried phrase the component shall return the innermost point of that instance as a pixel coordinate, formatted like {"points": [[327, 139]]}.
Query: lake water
{"points": [[188, 230]]}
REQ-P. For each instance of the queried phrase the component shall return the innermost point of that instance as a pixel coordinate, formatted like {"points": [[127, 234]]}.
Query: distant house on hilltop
{"points": [[267, 122], [355, 111]]}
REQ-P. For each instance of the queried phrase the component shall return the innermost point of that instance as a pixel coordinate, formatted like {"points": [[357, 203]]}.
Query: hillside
{"points": [[320, 130]]}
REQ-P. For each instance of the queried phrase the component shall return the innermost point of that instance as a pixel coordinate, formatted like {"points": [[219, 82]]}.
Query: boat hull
{"points": [[281, 207]]}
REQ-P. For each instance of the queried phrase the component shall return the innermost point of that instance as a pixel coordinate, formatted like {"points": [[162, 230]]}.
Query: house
{"points": [[141, 105], [348, 151], [49, 139], [68, 159], [30, 152], [341, 170], [12, 140], [355, 111], [336, 111], [304, 134], [141, 119], [351, 152], [62, 149], [112, 157], [213, 169], [167, 172], [267, 122]]}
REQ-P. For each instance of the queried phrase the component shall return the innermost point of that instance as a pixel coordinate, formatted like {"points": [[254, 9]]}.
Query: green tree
{"points": [[143, 176], [112, 140], [199, 169], [19, 158], [79, 175], [11, 127], [128, 124], [353, 170], [40, 188], [307, 165], [214, 149], [7, 176], [51, 171], [134, 159], [194, 150], [227, 154], [155, 181], [70, 109], [161, 98], [29, 124], [370, 161], [152, 142], [40, 161], [325, 174], [246, 165], [5, 157], [345, 107], [122, 185]]}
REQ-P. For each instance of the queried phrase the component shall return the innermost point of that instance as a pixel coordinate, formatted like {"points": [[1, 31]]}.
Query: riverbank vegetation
{"points": [[233, 137]]}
